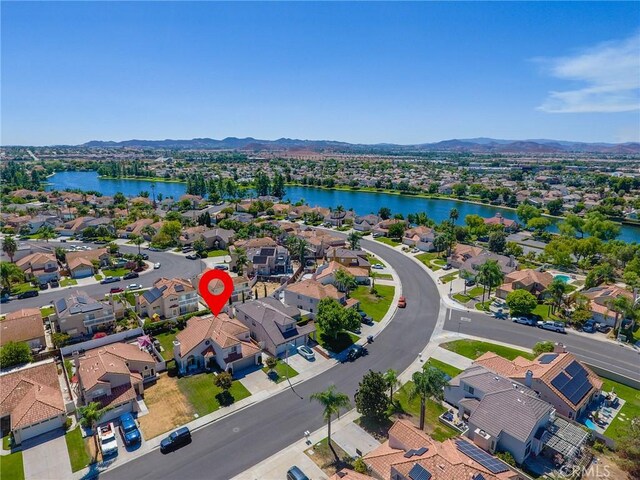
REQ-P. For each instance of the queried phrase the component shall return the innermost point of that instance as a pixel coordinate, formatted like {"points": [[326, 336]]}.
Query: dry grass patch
{"points": [[168, 407]]}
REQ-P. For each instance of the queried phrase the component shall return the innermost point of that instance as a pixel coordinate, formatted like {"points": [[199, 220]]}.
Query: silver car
{"points": [[306, 352]]}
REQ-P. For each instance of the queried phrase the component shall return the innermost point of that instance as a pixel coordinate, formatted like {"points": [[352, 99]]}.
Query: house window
{"points": [[146, 367], [469, 389], [528, 449]]}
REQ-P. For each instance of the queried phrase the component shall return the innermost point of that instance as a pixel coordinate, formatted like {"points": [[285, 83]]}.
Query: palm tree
{"points": [[354, 240], [9, 246], [391, 377], [136, 240], [345, 281], [10, 273], [46, 233], [90, 416], [621, 305], [61, 254], [454, 215], [241, 260], [489, 275], [428, 384], [556, 290], [332, 402], [149, 231]]}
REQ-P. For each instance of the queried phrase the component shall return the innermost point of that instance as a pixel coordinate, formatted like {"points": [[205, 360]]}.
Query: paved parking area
{"points": [[46, 457], [301, 364], [354, 440]]}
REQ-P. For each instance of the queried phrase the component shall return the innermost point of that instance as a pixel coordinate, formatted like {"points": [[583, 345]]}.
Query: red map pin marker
{"points": [[215, 287]]}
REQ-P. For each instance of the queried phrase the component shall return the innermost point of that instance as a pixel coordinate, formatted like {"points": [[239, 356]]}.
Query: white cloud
{"points": [[609, 74]]}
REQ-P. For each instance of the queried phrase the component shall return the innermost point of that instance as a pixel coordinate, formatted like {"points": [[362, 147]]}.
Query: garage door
{"points": [[41, 428], [116, 412]]}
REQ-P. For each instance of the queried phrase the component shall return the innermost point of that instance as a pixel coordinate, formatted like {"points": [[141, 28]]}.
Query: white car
{"points": [[377, 266], [108, 440], [524, 321], [156, 265], [306, 352], [134, 286]]}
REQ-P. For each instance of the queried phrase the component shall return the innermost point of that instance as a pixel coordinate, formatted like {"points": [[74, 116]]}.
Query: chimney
{"points": [[559, 348], [76, 363], [176, 349], [528, 379]]}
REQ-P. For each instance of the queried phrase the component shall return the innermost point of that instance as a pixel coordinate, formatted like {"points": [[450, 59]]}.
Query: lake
{"points": [[362, 202]]}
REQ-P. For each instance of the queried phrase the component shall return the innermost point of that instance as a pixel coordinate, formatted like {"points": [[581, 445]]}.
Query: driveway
{"points": [[46, 457]]}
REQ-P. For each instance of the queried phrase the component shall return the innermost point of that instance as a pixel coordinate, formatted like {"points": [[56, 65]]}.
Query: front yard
{"points": [[46, 311], [281, 372], [373, 259], [168, 407], [473, 349], [217, 253], [427, 259], [449, 277], [68, 282], [388, 241], [324, 458], [470, 295], [443, 367], [544, 312], [78, 449], [11, 466], [204, 396], [115, 272], [375, 306], [336, 345]]}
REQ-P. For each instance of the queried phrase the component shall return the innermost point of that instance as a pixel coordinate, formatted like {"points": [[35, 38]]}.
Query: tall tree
{"points": [[332, 402], [371, 397], [345, 281], [489, 275], [90, 415], [9, 246], [556, 291], [46, 233], [10, 273], [136, 240], [354, 240], [391, 377], [241, 260], [454, 215], [427, 384]]}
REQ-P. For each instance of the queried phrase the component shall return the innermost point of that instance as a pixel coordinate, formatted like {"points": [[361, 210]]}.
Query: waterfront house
{"points": [[533, 281], [420, 237]]}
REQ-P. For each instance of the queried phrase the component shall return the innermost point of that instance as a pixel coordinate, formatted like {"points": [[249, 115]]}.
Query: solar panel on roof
{"points": [[409, 453], [61, 304], [548, 358], [179, 288], [574, 368], [418, 472], [478, 476], [421, 451], [560, 381], [483, 458], [580, 393]]}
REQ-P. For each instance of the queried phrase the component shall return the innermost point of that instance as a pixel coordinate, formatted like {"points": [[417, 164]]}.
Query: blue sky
{"points": [[356, 72]]}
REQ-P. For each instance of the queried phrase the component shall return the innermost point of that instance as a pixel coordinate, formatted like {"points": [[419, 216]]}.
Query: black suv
{"points": [[176, 439], [130, 275], [28, 294]]}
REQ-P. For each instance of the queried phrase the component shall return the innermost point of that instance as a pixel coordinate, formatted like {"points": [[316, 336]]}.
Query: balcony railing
{"points": [[99, 320]]}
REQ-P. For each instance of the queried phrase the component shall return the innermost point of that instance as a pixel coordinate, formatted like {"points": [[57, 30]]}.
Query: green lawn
{"points": [[217, 253], [373, 259], [383, 276], [166, 340], [98, 277], [5, 442], [444, 367], [387, 241], [470, 295], [46, 311], [337, 345], [473, 349], [68, 282], [484, 306], [281, 372], [427, 257], [115, 272], [449, 277], [11, 466], [21, 288], [77, 448], [203, 394], [375, 306], [631, 408], [437, 430], [544, 311], [440, 261]]}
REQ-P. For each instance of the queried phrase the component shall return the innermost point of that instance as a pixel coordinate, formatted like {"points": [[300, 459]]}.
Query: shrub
{"points": [[60, 339], [14, 353], [507, 458], [359, 466]]}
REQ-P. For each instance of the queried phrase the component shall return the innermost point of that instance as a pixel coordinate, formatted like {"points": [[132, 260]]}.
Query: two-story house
{"points": [[81, 264], [306, 295], [498, 219], [600, 299], [267, 261], [214, 339], [532, 281], [420, 237], [366, 223], [168, 298], [348, 258], [42, 267], [79, 314], [273, 325], [24, 325]]}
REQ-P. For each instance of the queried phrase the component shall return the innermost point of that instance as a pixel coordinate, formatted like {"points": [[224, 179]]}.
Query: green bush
{"points": [[359, 466], [14, 353]]}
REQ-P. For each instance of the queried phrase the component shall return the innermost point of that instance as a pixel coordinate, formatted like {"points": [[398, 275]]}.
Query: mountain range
{"points": [[476, 145]]}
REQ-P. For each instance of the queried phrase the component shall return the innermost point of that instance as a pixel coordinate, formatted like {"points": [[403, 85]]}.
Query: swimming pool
{"points": [[564, 278], [589, 424]]}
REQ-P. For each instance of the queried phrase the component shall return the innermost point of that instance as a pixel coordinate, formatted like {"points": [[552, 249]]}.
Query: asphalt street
{"points": [[619, 359], [237, 442], [171, 265]]}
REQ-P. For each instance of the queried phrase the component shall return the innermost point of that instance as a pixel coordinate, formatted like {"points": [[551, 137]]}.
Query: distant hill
{"points": [[477, 145]]}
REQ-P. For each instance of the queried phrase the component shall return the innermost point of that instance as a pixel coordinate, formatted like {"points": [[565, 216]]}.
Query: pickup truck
{"points": [[108, 440]]}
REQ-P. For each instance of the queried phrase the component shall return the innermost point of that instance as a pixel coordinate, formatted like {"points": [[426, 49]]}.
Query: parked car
{"points": [[134, 286], [144, 256], [116, 290], [176, 439], [306, 352], [402, 302], [589, 327], [4, 298], [54, 283], [221, 266], [602, 328], [130, 275], [294, 473], [107, 280], [156, 266], [356, 352], [524, 321], [447, 267], [108, 440], [44, 286], [192, 256], [153, 249], [28, 294], [415, 250], [187, 249], [551, 325], [377, 266], [129, 429], [469, 282]]}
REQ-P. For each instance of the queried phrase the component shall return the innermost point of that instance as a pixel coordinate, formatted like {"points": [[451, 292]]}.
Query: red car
{"points": [[402, 302], [116, 290]]}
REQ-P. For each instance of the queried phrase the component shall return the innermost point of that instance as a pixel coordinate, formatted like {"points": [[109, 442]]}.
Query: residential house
{"points": [[267, 261], [242, 287], [533, 281], [31, 401], [135, 228], [470, 259], [366, 223], [79, 314], [24, 325], [113, 375], [339, 218], [411, 454], [462, 253], [168, 298], [210, 340], [600, 299], [557, 377], [420, 237], [482, 397], [508, 224], [382, 228], [306, 295], [39, 221], [81, 264], [348, 258], [273, 325], [325, 274], [256, 243], [318, 241], [42, 267], [216, 238]]}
